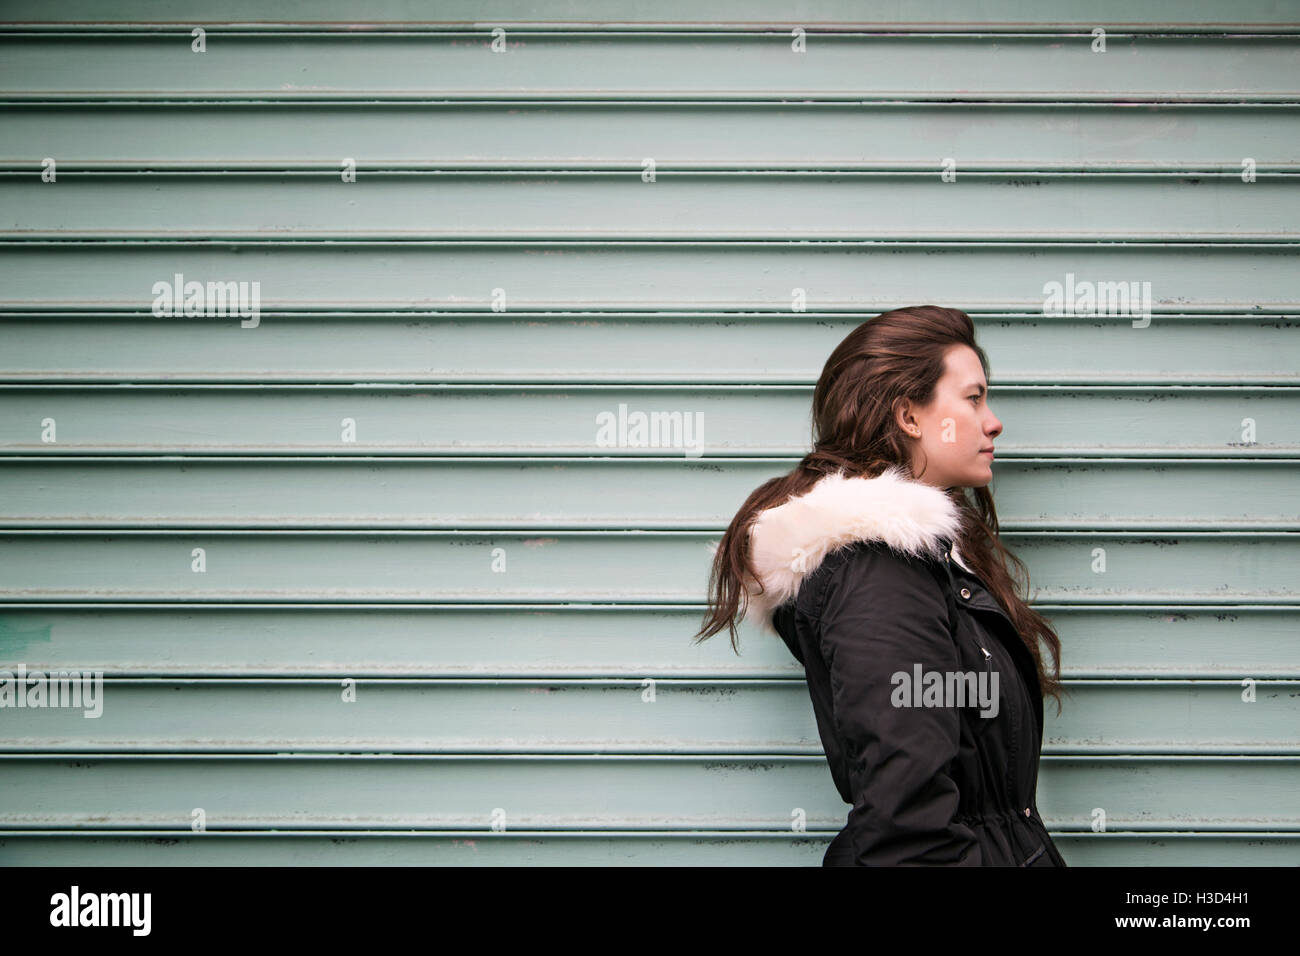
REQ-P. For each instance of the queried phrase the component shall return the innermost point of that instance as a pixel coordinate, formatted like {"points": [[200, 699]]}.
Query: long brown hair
{"points": [[894, 356]]}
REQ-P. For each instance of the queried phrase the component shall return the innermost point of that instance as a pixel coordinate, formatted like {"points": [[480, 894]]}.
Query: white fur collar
{"points": [[789, 541]]}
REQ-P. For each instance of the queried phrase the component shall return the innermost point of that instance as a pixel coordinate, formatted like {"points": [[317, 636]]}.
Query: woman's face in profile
{"points": [[953, 434]]}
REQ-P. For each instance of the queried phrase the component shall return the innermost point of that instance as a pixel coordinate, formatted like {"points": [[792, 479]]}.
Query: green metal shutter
{"points": [[414, 476]]}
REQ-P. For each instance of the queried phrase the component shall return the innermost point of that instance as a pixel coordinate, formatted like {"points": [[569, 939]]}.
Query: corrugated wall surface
{"points": [[370, 576]]}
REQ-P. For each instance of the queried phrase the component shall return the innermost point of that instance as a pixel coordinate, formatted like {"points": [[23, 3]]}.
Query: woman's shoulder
{"points": [[867, 569]]}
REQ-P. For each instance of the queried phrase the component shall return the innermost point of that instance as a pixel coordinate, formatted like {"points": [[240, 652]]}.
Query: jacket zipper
{"points": [[1033, 816]]}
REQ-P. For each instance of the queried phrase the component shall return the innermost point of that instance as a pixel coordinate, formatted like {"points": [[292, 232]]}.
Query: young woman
{"points": [[890, 585]]}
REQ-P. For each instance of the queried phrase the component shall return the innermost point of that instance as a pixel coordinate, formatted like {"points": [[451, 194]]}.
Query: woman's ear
{"points": [[906, 419]]}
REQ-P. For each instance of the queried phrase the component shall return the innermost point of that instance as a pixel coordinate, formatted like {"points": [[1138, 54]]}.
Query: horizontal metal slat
{"points": [[1151, 794], [194, 640], [558, 567], [522, 135], [648, 276], [740, 205], [608, 421], [460, 493], [672, 14], [623, 349], [157, 67], [1179, 849], [415, 848], [603, 716]]}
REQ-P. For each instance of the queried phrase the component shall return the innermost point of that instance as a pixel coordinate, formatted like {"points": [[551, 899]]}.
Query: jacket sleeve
{"points": [[882, 614]]}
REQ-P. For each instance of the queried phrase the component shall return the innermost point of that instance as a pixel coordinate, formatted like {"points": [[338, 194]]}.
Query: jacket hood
{"points": [[790, 541]]}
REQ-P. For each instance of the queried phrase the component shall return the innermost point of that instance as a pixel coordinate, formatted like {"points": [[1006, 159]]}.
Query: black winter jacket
{"points": [[863, 583]]}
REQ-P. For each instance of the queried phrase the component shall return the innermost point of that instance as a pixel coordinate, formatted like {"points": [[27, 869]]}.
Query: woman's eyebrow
{"points": [[976, 385]]}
